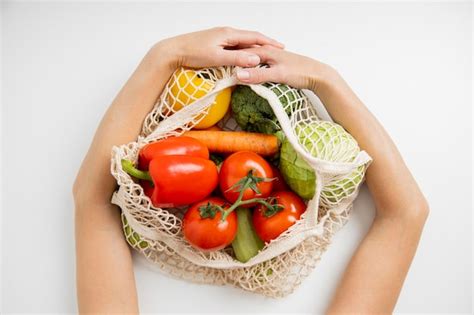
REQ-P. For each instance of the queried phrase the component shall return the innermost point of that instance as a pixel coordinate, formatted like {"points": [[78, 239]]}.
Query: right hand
{"points": [[289, 68]]}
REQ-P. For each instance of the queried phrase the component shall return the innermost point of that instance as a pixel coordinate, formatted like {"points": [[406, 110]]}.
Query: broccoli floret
{"points": [[252, 112]]}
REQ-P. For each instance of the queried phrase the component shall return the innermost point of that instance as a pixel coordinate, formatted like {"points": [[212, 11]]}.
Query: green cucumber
{"points": [[246, 243]]}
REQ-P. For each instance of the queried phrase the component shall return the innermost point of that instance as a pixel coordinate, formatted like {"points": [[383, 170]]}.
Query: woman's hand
{"points": [[377, 270], [288, 68], [105, 281], [215, 47]]}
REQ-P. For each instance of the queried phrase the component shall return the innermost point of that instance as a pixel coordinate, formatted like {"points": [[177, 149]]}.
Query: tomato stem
{"points": [[239, 202]]}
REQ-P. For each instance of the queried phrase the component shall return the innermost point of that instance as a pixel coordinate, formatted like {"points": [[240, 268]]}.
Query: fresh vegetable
{"points": [[178, 180], [147, 186], [171, 146], [175, 180], [342, 188], [190, 86], [243, 168], [270, 223], [208, 215], [296, 172], [253, 113], [214, 128], [233, 141], [279, 182], [133, 238], [325, 140], [246, 243], [205, 228]]}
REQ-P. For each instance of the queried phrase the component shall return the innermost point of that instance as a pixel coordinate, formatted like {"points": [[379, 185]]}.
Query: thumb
{"points": [[257, 75]]}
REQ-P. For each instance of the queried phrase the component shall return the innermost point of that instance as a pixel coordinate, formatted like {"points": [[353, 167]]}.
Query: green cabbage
{"points": [[327, 141], [296, 172]]}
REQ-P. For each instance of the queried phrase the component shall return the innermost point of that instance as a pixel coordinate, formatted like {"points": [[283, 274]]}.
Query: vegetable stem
{"points": [[130, 169], [239, 202]]}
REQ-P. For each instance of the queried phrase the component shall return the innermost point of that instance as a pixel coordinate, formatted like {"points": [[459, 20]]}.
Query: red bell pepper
{"points": [[180, 172], [171, 146]]}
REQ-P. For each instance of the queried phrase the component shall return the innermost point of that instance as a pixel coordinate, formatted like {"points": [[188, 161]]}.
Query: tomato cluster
{"points": [[244, 177]]}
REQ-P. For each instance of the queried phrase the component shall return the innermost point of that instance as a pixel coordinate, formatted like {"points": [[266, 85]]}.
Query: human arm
{"points": [[375, 274], [105, 281]]}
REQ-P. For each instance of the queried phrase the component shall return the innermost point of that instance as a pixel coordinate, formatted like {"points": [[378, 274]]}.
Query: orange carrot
{"points": [[233, 141], [214, 128]]}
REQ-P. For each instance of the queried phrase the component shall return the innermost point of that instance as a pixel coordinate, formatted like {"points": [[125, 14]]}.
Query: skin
{"points": [[105, 280], [375, 274]]}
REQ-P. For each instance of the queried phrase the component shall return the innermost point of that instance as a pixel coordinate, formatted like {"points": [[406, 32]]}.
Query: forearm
{"points": [[121, 124], [376, 273], [104, 271], [393, 188]]}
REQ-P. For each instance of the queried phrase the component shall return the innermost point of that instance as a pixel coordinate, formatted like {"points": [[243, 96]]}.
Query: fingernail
{"points": [[243, 75], [253, 59]]}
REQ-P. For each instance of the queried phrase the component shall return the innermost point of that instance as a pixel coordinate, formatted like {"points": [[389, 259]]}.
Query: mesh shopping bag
{"points": [[335, 164]]}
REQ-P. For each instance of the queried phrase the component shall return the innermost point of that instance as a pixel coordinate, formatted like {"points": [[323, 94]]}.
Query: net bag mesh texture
{"points": [[284, 262]]}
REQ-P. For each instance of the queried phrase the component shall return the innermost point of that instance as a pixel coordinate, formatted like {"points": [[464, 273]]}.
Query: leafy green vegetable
{"points": [[253, 113], [327, 141], [287, 95], [246, 243], [296, 172]]}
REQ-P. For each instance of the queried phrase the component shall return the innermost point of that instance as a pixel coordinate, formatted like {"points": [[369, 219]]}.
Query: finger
{"points": [[241, 46], [265, 53], [237, 58], [258, 75], [249, 38]]}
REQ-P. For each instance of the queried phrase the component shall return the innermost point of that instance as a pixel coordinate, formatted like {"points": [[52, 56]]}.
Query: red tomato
{"points": [[236, 167], [171, 146], [279, 183], [209, 233], [269, 228], [181, 179]]}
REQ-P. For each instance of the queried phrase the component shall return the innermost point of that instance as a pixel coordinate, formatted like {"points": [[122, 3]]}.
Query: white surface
{"points": [[64, 63]]}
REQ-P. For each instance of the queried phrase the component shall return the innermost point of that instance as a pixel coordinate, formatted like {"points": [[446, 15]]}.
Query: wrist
{"points": [[322, 77], [165, 55]]}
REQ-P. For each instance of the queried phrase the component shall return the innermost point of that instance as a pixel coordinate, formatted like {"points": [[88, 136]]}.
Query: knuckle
{"points": [[268, 48], [226, 29], [273, 52]]}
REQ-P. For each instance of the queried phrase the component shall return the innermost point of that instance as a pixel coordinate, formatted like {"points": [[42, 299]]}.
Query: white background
{"points": [[63, 64]]}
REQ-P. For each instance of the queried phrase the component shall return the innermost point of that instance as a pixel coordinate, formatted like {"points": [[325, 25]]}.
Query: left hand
{"points": [[288, 68], [214, 47]]}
